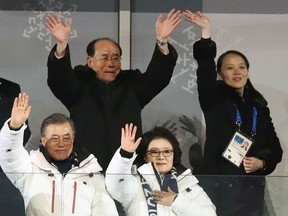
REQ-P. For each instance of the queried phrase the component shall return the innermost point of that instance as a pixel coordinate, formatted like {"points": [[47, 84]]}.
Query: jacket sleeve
{"points": [[158, 74], [192, 198], [272, 151], [14, 159], [120, 183], [61, 78], [103, 204], [204, 52]]}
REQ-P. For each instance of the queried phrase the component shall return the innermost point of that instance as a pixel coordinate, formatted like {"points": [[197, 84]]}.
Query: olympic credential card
{"points": [[237, 148]]}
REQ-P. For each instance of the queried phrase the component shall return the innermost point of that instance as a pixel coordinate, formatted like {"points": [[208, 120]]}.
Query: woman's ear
{"points": [[219, 76]]}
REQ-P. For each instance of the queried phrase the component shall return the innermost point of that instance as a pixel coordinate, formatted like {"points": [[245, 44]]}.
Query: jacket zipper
{"points": [[74, 188], [53, 196], [74, 197]]}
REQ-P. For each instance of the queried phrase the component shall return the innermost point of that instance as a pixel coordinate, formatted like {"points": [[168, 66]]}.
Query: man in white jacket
{"points": [[55, 179]]}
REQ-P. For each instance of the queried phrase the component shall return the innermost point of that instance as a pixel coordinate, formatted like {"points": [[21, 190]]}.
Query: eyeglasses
{"points": [[156, 153], [56, 139], [115, 59]]}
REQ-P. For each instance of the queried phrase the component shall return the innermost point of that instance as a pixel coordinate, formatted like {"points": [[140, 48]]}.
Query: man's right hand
{"points": [[60, 31], [20, 111]]}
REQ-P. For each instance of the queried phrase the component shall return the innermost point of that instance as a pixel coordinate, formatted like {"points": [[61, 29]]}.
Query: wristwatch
{"points": [[161, 42]]}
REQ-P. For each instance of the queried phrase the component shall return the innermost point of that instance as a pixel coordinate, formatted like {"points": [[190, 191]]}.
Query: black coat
{"points": [[99, 109], [238, 193], [11, 201], [8, 92], [217, 102]]}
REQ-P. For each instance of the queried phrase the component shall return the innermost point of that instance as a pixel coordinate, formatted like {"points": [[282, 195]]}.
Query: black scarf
{"points": [[170, 181], [63, 166]]}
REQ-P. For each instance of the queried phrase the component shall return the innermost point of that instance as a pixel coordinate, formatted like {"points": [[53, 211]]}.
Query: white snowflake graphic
{"points": [[186, 65], [185, 70], [36, 22]]}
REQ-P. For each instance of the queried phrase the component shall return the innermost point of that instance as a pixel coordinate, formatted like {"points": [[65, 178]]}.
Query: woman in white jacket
{"points": [[55, 179], [161, 185]]}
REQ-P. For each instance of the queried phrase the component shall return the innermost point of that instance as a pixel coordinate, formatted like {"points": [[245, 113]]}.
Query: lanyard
{"points": [[254, 120]]}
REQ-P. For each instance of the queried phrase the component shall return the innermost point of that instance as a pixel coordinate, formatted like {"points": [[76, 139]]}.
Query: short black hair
{"points": [[159, 133], [91, 46]]}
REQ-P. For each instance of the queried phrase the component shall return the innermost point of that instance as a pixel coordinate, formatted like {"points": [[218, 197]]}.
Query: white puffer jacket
{"points": [[45, 190], [126, 188]]}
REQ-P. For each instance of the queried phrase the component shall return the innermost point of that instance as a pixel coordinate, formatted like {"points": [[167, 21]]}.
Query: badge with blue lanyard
{"points": [[240, 142]]}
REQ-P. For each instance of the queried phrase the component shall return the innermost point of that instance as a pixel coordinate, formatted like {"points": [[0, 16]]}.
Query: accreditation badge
{"points": [[237, 148]]}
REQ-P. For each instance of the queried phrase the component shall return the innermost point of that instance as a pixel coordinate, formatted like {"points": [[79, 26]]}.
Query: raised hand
{"points": [[61, 31], [197, 18], [200, 20], [128, 134], [164, 27], [20, 111]]}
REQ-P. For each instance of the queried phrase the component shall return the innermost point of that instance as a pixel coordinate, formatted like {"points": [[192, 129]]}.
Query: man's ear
{"points": [[42, 140], [89, 61]]}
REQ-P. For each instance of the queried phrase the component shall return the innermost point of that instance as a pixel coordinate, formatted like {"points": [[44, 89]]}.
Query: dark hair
{"points": [[234, 52], [91, 46], [250, 93], [56, 118], [159, 133]]}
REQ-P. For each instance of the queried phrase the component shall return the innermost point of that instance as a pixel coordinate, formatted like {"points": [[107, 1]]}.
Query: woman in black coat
{"points": [[235, 112]]}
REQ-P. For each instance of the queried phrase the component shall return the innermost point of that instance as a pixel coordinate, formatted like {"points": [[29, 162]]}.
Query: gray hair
{"points": [[56, 118]]}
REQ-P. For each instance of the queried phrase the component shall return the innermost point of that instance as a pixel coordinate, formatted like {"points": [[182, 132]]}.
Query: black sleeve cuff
{"points": [[126, 154], [14, 129], [204, 49]]}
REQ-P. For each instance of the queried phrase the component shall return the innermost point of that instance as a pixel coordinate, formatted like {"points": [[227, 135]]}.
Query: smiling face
{"points": [[58, 140], [163, 163], [106, 62], [234, 72]]}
